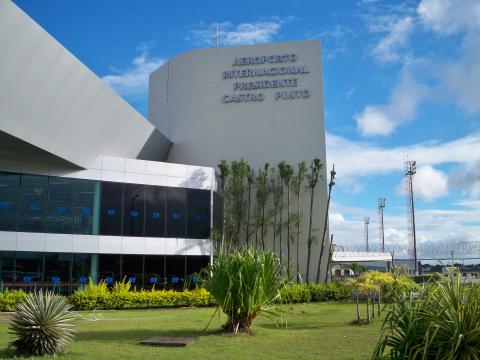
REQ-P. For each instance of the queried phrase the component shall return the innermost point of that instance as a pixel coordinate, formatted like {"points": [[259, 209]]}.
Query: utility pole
{"points": [[217, 36], [410, 171], [381, 232], [366, 221]]}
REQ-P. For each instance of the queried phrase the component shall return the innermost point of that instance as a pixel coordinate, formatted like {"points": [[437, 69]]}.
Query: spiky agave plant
{"points": [[245, 283], [42, 324]]}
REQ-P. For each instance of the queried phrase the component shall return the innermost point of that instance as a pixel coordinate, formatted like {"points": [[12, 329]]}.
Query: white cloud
{"points": [[428, 183], [437, 230], [132, 82], [450, 16], [396, 38], [236, 34], [460, 77], [381, 120], [354, 159], [467, 178]]}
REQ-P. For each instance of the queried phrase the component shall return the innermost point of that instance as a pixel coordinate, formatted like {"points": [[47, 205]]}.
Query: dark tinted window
{"points": [[154, 271], [198, 211], [132, 269], [60, 205], [109, 268], [57, 271], [29, 270], [33, 203], [133, 209], [197, 263], [9, 191], [176, 201], [111, 213], [7, 268], [87, 207], [175, 267], [80, 269], [155, 211]]}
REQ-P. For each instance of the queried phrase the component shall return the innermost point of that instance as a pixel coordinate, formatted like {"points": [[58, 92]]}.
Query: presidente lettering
{"points": [[248, 91]]}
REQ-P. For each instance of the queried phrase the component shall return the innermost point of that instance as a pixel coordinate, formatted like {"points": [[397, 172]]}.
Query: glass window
{"points": [[109, 268], [9, 189], [33, 196], [60, 205], [176, 201], [195, 264], [111, 214], [57, 272], [133, 208], [80, 269], [7, 269], [175, 271], [29, 269], [198, 210], [155, 211], [154, 271], [132, 269], [87, 207]]}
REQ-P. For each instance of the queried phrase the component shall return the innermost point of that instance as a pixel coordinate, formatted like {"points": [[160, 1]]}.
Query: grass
{"points": [[314, 331]]}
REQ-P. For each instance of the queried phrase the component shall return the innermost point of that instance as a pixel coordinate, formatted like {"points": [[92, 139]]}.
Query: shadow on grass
{"points": [[8, 353], [137, 335]]}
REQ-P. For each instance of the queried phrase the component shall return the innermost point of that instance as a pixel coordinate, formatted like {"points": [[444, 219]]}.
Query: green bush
{"points": [[99, 297], [120, 296], [443, 323], [10, 298], [315, 292], [245, 284]]}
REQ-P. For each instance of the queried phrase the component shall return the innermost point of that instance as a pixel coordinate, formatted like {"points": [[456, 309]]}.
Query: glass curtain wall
{"points": [[34, 203], [9, 191]]}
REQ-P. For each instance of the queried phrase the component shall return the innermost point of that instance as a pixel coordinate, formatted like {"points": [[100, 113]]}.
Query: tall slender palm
{"points": [[312, 177], [224, 169], [286, 173], [250, 180], [322, 245], [297, 184]]}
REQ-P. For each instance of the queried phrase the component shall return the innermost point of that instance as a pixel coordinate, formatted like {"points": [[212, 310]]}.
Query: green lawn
{"points": [[314, 331]]}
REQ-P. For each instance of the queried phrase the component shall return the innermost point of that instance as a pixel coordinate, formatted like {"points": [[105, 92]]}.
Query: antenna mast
{"points": [[381, 232], [410, 171], [366, 221]]}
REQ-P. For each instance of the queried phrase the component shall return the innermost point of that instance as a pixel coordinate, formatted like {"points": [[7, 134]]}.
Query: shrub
{"points": [[444, 323], [245, 284], [10, 298], [297, 293], [42, 324]]}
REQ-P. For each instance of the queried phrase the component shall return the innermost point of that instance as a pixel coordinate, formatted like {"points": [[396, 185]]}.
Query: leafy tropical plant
{"points": [[443, 323], [297, 185], [42, 324], [245, 284]]}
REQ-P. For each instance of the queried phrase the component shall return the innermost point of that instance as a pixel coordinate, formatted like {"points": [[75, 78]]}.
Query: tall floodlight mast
{"points": [[366, 221], [410, 171], [381, 231]]}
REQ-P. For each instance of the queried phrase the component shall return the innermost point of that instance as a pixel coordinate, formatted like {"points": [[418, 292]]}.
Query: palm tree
{"points": [[322, 247], [250, 180], [313, 176], [286, 173], [297, 188], [224, 169]]}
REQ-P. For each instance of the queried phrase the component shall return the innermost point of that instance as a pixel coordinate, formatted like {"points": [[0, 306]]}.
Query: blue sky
{"points": [[400, 78]]}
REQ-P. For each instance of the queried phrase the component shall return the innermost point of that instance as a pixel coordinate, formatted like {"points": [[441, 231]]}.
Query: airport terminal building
{"points": [[90, 188]]}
